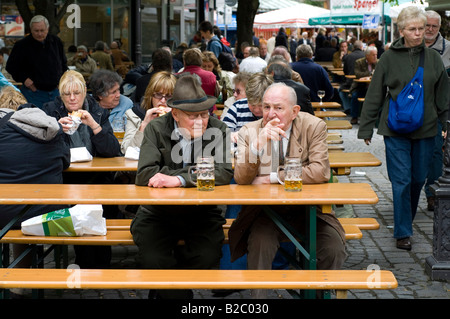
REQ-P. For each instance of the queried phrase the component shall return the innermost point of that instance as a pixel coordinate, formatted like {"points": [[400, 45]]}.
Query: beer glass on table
{"points": [[202, 175], [292, 174]]}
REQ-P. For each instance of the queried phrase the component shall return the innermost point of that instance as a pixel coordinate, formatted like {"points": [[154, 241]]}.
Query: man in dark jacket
{"points": [[314, 75], [282, 72], [170, 145], [38, 61]]}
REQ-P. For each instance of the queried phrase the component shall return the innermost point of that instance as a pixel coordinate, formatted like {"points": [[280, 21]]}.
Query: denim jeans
{"points": [[39, 98], [346, 103], [407, 162], [436, 165]]}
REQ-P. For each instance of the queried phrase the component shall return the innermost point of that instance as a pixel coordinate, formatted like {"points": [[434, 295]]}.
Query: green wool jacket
{"points": [[394, 70], [158, 151]]}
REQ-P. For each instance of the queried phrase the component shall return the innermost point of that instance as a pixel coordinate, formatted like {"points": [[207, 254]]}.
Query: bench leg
{"points": [[341, 294]]}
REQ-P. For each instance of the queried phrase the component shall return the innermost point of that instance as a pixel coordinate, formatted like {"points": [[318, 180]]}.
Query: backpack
{"points": [[407, 112], [226, 58]]}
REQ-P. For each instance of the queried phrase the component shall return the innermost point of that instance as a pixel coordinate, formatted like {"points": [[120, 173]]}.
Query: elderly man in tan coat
{"points": [[303, 135]]}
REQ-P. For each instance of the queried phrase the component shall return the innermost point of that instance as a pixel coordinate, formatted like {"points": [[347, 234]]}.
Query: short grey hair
{"points": [[433, 15], [371, 48], [39, 18], [291, 96], [102, 81], [410, 14], [303, 51]]}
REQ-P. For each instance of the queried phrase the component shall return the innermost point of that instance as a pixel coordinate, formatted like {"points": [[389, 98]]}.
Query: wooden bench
{"points": [[340, 280], [117, 236], [334, 139], [324, 114], [338, 124], [335, 148], [361, 223]]}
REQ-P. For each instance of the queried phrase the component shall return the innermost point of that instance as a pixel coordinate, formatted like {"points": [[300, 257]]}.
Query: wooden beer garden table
{"points": [[326, 105], [116, 164], [324, 195]]}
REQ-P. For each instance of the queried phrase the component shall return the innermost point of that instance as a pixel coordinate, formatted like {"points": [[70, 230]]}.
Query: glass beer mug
{"points": [[202, 175], [292, 174]]}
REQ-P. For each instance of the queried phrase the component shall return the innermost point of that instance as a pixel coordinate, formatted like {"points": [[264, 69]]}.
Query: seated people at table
{"points": [[193, 64], [253, 63], [363, 68], [349, 69], [314, 75], [105, 86], [304, 136], [239, 84], [282, 72], [33, 152], [224, 78], [96, 134], [154, 104], [83, 63], [161, 61], [248, 109], [165, 162], [340, 54], [95, 131]]}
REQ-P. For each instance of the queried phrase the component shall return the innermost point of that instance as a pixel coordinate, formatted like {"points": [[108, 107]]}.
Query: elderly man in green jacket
{"points": [[170, 144]]}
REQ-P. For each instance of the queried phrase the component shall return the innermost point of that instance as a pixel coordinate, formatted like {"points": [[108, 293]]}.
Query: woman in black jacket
{"points": [[95, 131]]}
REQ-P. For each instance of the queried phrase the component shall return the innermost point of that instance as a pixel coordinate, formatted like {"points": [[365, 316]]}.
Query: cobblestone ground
{"points": [[377, 247]]}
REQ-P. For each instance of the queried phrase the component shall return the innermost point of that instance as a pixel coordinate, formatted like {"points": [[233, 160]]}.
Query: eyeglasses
{"points": [[237, 91], [432, 26], [160, 96], [193, 116]]}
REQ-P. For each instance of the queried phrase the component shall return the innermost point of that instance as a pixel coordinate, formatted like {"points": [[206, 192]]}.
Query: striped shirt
{"points": [[238, 115]]}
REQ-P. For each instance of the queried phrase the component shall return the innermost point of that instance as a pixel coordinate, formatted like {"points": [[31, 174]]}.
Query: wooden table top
{"points": [[338, 124], [129, 194], [353, 159], [115, 164], [325, 105], [323, 114]]}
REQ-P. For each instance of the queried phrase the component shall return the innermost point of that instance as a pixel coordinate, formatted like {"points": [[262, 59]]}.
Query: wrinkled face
{"points": [[73, 99], [372, 57], [112, 99], [413, 33], [432, 29], [276, 105], [39, 31], [191, 124]]}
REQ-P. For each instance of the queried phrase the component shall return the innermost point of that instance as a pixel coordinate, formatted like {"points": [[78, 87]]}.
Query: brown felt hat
{"points": [[189, 96]]}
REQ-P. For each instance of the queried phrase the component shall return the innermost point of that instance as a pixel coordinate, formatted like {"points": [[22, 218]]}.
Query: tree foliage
{"points": [[47, 8]]}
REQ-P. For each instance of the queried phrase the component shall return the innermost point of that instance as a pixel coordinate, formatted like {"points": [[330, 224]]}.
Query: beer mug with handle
{"points": [[202, 175], [292, 174]]}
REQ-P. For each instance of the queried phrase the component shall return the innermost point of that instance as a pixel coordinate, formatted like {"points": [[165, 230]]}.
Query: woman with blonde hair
{"points": [[95, 131], [154, 104]]}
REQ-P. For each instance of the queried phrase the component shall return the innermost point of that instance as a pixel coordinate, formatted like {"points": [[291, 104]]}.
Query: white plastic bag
{"points": [[75, 221]]}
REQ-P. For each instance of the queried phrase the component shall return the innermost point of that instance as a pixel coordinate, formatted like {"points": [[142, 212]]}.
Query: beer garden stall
{"points": [[293, 19]]}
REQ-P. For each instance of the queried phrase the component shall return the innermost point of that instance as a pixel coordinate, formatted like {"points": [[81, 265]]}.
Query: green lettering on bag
{"points": [[58, 223]]}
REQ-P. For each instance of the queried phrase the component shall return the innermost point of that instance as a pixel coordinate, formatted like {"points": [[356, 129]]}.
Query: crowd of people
{"points": [[170, 104]]}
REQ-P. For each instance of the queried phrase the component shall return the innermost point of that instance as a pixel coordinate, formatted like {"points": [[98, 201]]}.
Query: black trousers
{"points": [[157, 230]]}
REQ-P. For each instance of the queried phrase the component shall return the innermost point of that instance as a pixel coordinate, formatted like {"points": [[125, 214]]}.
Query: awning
{"points": [[293, 17]]}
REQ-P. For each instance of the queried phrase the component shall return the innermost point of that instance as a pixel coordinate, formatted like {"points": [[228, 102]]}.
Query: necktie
{"points": [[280, 152]]}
